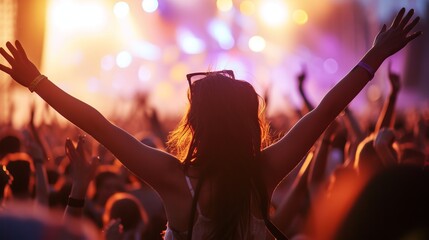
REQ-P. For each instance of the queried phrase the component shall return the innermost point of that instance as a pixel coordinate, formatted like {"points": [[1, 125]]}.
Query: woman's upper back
{"points": [[203, 225]]}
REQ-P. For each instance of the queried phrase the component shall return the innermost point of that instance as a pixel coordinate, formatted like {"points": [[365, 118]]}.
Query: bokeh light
{"points": [[274, 13], [221, 32], [224, 5], [189, 43], [300, 16], [109, 41], [247, 7], [121, 9], [330, 65], [70, 16], [124, 59], [257, 43], [150, 5]]}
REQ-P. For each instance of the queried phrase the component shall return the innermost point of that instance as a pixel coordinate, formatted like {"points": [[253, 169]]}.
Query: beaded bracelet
{"points": [[33, 84], [368, 68]]}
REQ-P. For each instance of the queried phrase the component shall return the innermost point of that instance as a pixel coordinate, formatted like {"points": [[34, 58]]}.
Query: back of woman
{"points": [[220, 141]]}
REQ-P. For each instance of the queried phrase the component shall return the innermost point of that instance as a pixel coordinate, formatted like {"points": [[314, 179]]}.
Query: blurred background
{"points": [[110, 53]]}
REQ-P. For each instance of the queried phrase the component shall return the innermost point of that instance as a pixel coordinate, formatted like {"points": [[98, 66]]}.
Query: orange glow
{"points": [[300, 16]]}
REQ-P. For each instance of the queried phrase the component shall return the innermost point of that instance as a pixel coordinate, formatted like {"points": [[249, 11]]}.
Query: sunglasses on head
{"points": [[194, 77]]}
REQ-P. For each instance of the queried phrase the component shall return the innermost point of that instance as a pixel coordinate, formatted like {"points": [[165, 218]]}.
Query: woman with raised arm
{"points": [[219, 183]]}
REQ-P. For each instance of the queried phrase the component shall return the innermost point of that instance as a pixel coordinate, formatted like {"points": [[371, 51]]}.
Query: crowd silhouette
{"points": [[221, 173]]}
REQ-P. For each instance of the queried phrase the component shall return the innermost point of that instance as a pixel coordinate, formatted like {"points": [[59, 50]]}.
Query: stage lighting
{"points": [[224, 5], [150, 5], [273, 13], [121, 9], [221, 32], [257, 43], [300, 16], [124, 59]]}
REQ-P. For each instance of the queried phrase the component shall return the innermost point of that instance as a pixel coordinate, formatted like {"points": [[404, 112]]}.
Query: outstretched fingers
{"points": [[6, 69], [13, 50], [7, 56], [413, 36], [410, 26], [21, 50], [70, 150], [406, 19], [398, 18]]}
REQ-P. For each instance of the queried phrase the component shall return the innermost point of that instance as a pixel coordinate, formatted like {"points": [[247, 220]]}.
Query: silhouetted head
{"points": [[127, 208], [224, 117], [9, 144], [21, 171], [107, 182]]}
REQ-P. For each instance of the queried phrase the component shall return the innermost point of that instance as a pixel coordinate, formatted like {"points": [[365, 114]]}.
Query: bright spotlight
{"points": [[70, 16], [150, 6], [274, 13], [121, 9], [257, 43], [123, 59]]}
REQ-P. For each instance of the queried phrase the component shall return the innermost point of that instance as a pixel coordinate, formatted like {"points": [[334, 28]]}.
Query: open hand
{"points": [[391, 40], [83, 166], [21, 69]]}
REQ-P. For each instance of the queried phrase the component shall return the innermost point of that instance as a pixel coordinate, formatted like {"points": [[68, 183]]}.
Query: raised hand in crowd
{"points": [[83, 168], [302, 76], [387, 116]]}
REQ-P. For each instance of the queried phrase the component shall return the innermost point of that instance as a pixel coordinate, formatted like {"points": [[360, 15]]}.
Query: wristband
{"points": [[33, 84], [368, 69], [77, 203]]}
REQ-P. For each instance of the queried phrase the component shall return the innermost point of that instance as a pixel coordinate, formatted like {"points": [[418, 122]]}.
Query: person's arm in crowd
{"points": [[317, 169], [383, 145], [83, 169], [353, 124], [42, 186], [420, 131], [301, 79], [144, 161], [39, 156], [156, 125], [292, 203], [387, 116], [353, 127], [284, 155]]}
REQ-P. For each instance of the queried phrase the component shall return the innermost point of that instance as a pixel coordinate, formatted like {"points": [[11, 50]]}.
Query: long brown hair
{"points": [[222, 135]]}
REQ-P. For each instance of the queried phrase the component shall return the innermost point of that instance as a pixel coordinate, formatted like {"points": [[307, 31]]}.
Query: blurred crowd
{"points": [[364, 178]]}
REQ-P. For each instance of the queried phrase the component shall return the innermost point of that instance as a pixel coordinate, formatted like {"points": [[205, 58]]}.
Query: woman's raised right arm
{"points": [[144, 161], [285, 154]]}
